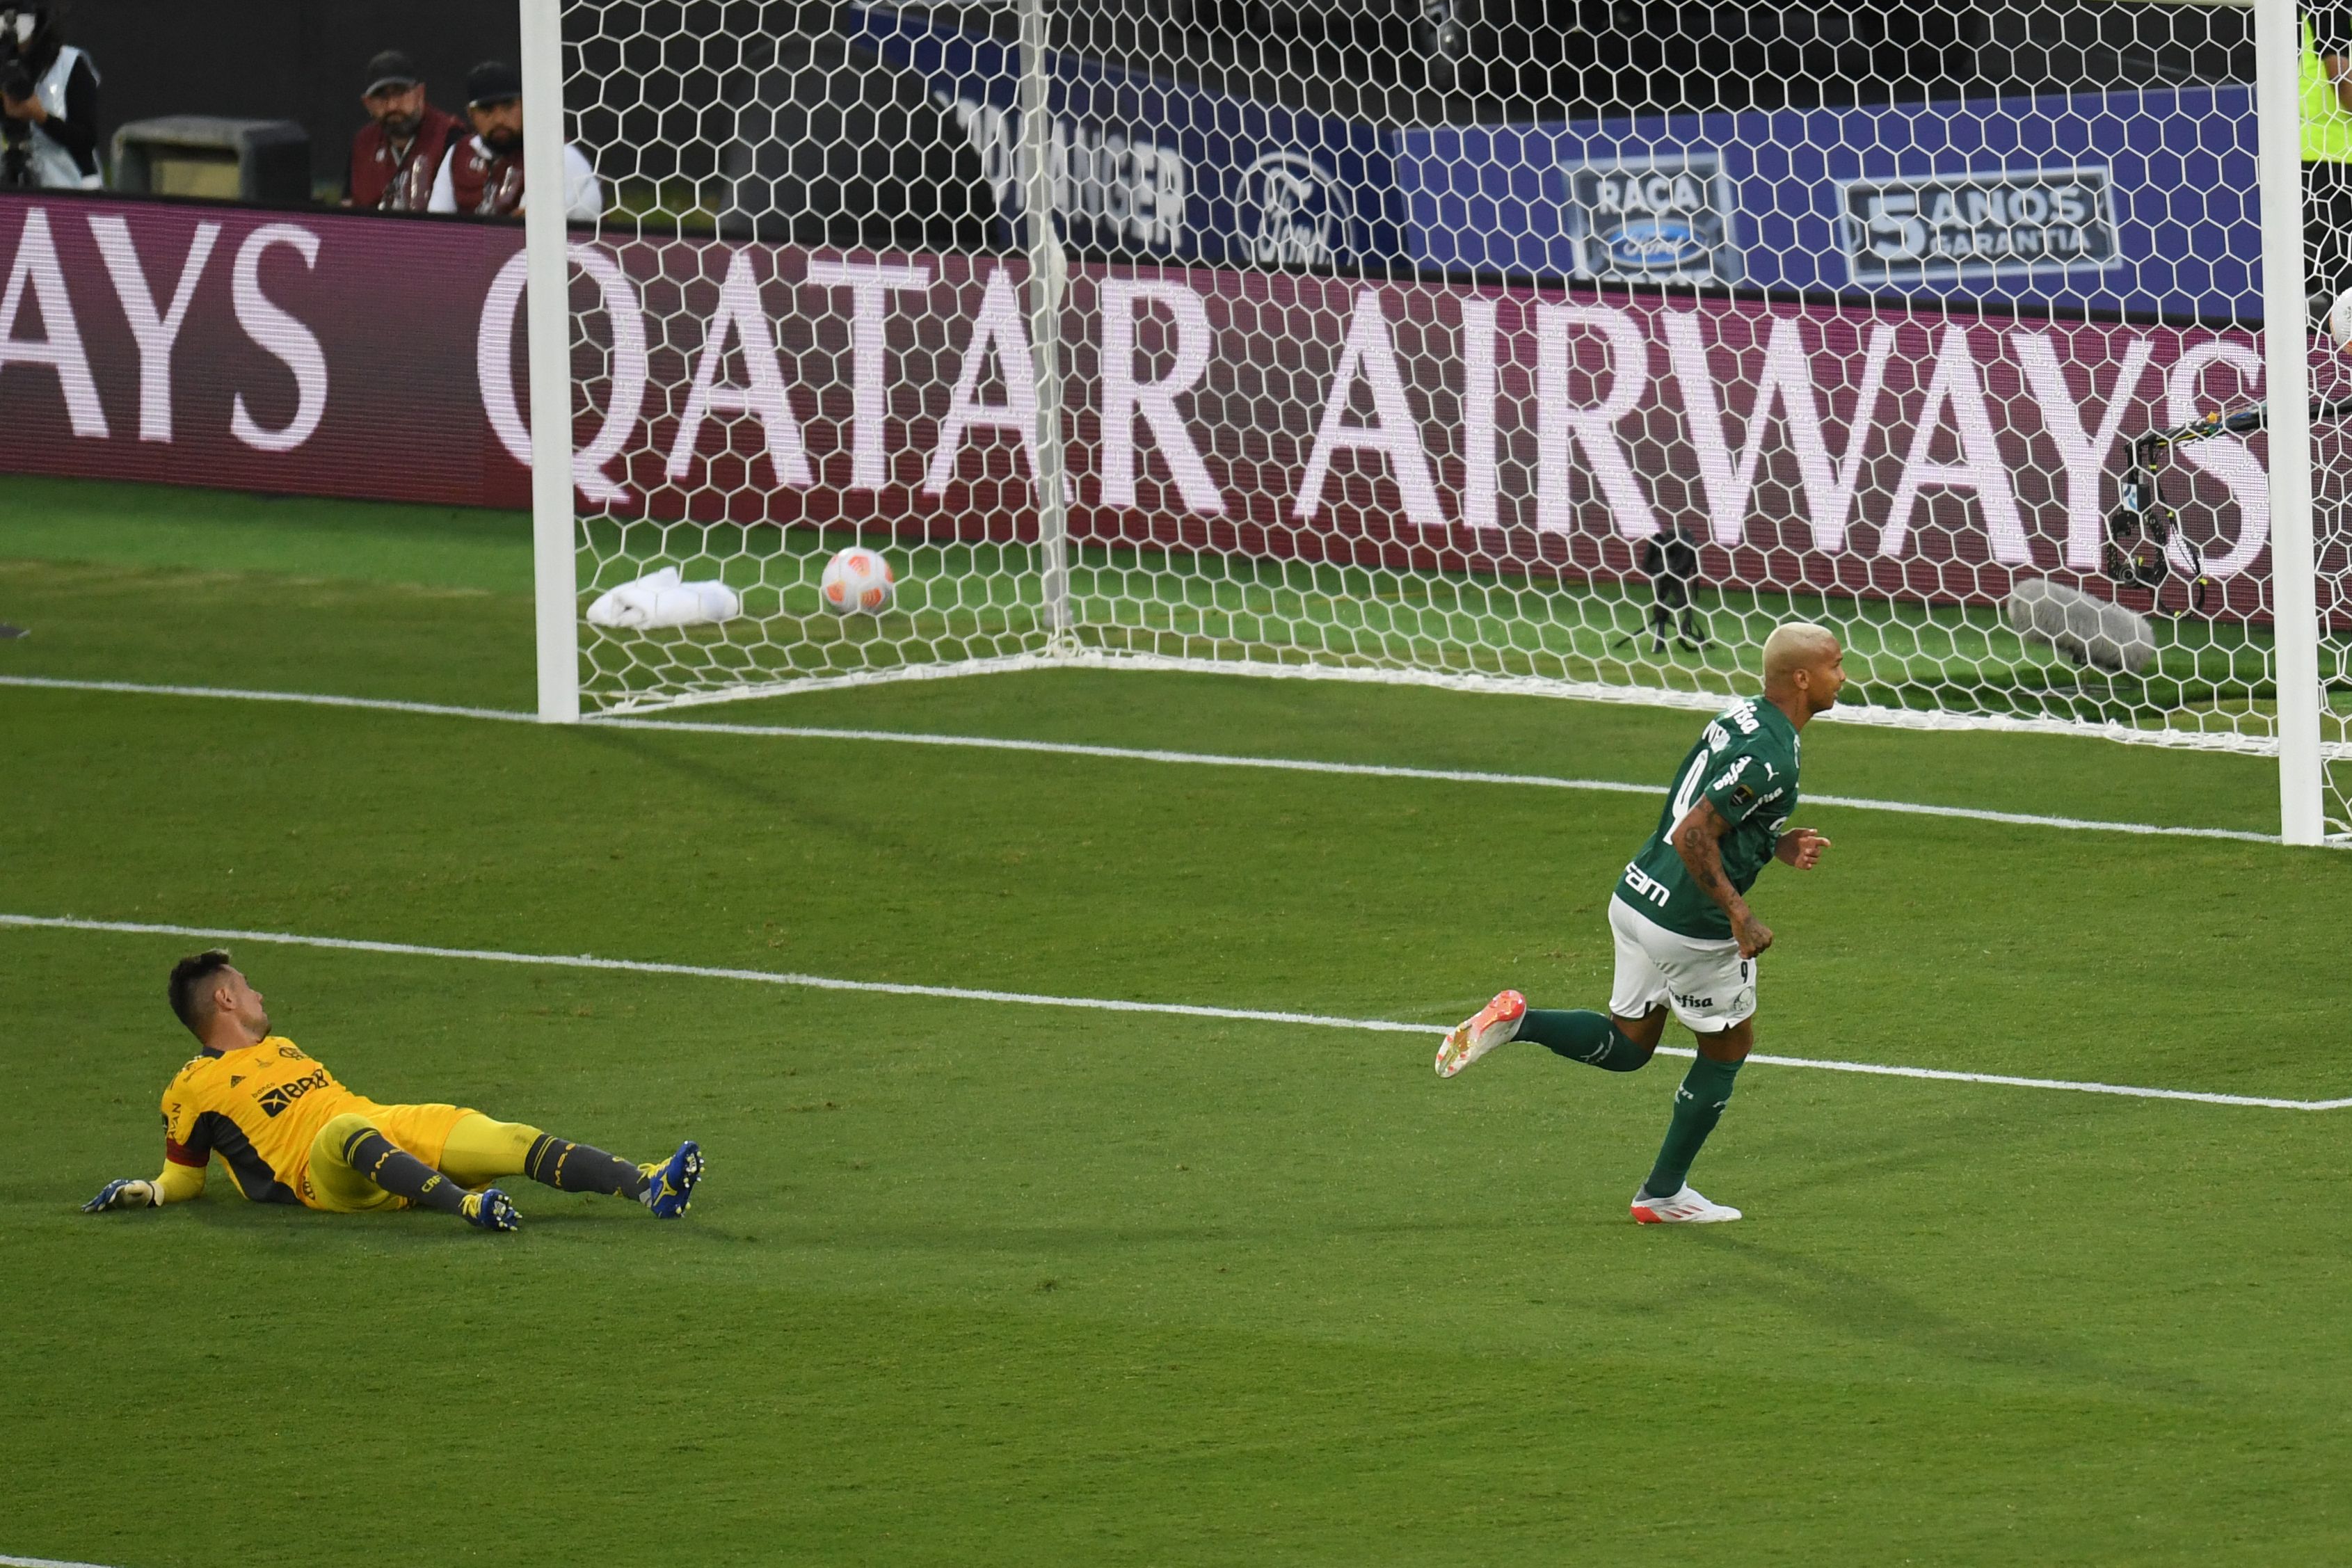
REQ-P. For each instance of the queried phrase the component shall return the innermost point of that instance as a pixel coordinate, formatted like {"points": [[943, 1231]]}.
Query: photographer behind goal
{"points": [[48, 105]]}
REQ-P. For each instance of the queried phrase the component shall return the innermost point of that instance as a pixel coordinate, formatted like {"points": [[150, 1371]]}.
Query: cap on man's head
{"points": [[492, 81], [390, 72]]}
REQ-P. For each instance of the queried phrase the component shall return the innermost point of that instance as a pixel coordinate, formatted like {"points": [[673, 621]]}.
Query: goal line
{"points": [[1081, 1004]]}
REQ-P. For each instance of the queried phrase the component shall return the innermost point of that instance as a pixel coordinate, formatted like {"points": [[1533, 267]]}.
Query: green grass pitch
{"points": [[976, 1283]]}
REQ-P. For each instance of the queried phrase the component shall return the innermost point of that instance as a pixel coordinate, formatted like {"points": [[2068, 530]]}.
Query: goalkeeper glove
{"points": [[128, 1194]]}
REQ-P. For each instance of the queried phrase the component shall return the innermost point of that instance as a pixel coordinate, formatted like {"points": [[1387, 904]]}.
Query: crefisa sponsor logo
{"points": [[1925, 227], [1665, 218], [1291, 210]]}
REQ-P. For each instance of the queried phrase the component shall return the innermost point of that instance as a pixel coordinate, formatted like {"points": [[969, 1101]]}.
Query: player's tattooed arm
{"points": [[1698, 839]]}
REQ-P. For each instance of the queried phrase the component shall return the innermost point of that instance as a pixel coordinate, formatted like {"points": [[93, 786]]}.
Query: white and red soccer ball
{"points": [[858, 580]]}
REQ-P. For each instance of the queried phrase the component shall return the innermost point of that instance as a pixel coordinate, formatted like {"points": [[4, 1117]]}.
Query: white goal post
{"points": [[2295, 601], [548, 336], [1468, 343]]}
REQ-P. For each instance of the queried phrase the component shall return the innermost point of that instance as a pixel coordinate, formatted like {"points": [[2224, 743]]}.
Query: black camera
{"points": [[15, 135], [22, 28]]}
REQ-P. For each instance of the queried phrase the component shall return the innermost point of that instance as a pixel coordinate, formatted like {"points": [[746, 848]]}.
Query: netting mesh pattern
{"points": [[1448, 345]]}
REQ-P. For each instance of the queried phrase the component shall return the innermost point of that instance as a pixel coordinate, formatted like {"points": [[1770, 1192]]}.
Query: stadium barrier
{"points": [[259, 350], [1924, 452]]}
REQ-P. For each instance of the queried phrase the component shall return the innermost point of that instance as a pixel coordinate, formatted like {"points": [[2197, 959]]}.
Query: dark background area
{"points": [[759, 109], [1566, 59], [280, 59]]}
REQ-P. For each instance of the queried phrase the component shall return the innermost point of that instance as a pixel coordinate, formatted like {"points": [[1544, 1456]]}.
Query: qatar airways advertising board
{"points": [[1545, 433]]}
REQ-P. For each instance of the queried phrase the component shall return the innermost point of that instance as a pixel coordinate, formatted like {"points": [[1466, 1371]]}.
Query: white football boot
{"points": [[1688, 1206], [1481, 1032]]}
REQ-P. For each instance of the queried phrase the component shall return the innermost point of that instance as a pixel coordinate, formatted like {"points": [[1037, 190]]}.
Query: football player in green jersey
{"points": [[1686, 941]]}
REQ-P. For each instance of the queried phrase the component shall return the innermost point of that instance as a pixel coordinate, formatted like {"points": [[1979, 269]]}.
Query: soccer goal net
{"points": [[1481, 343]]}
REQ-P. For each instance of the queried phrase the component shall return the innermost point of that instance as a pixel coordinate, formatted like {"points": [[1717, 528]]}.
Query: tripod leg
{"points": [[1632, 637]]}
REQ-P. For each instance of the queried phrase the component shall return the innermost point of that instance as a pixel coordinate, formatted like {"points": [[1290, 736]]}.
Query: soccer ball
{"points": [[856, 580], [2339, 320]]}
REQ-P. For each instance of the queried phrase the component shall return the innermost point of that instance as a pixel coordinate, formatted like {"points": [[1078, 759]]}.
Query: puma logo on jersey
{"points": [[277, 1097]]}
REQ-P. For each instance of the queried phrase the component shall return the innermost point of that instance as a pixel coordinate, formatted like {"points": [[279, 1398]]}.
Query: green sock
{"points": [[1698, 1105], [1590, 1037]]}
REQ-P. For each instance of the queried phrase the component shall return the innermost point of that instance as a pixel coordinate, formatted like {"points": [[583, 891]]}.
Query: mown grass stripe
{"points": [[1084, 1004], [1127, 754]]}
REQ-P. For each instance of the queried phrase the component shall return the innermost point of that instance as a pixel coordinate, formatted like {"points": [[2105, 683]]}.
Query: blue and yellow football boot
{"points": [[669, 1184], [490, 1209]]}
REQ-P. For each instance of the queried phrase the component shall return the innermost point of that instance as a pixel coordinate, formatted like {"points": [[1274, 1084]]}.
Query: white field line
{"points": [[306, 698], [1126, 753], [1492, 685], [1083, 1004], [44, 1562]]}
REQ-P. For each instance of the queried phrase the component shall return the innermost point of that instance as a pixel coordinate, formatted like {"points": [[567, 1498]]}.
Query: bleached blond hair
{"points": [[1795, 644]]}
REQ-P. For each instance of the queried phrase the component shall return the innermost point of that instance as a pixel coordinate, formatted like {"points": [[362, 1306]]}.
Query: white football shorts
{"points": [[1703, 979]]}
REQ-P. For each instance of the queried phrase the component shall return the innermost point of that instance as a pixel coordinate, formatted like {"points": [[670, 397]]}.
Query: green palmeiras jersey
{"points": [[1746, 762]]}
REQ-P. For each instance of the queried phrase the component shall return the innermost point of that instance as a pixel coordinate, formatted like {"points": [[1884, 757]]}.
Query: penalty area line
{"points": [[6, 1562], [1120, 754], [1082, 1003]]}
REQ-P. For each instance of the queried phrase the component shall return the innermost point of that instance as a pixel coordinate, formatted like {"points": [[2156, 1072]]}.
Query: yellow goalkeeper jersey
{"points": [[259, 1109]]}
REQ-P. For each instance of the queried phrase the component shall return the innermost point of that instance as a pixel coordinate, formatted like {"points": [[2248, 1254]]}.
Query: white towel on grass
{"points": [[662, 599]]}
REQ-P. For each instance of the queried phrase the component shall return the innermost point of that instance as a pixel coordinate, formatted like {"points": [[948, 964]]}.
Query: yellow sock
{"points": [[480, 1150]]}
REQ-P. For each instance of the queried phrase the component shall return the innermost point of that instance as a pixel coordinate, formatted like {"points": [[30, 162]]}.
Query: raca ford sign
{"points": [[1666, 218], [1925, 227]]}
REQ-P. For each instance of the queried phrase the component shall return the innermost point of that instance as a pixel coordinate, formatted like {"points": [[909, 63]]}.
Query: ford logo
{"points": [[1293, 212], [1655, 243]]}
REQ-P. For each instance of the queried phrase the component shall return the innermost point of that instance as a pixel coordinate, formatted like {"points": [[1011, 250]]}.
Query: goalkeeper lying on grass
{"points": [[289, 1133]]}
